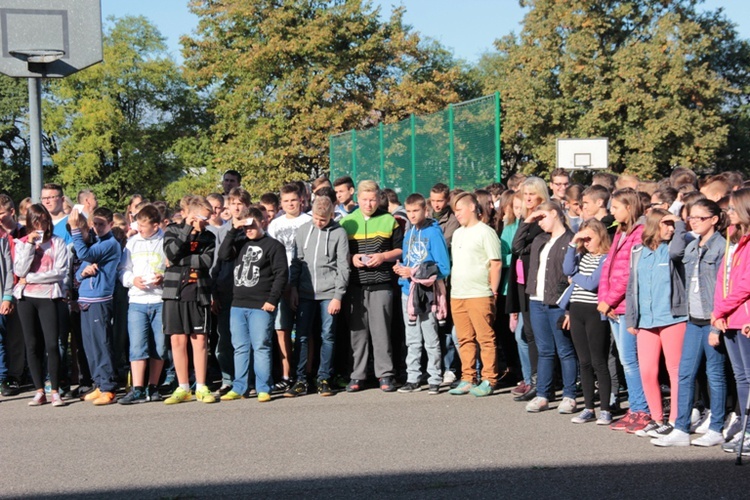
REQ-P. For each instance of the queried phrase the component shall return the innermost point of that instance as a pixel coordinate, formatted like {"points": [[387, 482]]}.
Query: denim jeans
{"points": [[306, 313], [251, 329], [738, 349], [549, 339], [523, 351], [147, 339], [628, 352], [425, 329], [3, 330], [449, 347], [224, 350], [694, 346]]}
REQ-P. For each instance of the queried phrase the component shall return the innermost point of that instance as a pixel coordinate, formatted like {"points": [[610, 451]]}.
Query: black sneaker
{"points": [[133, 397], [324, 388], [528, 395], [152, 394], [434, 389], [408, 387], [652, 425], [223, 390], [355, 385], [662, 431], [298, 389], [387, 385], [9, 387], [283, 385]]}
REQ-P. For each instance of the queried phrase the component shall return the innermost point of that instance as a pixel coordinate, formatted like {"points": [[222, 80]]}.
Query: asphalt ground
{"points": [[368, 444]]}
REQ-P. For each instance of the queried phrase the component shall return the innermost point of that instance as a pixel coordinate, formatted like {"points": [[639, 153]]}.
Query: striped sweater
{"points": [[379, 233], [184, 252]]}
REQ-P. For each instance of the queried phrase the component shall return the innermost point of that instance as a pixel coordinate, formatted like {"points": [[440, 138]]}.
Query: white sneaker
{"points": [[449, 377], [567, 406], [537, 404], [674, 438], [710, 438], [695, 416], [732, 426], [703, 424]]}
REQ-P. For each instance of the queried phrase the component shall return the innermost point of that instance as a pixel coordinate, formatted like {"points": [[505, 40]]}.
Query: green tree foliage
{"points": [[118, 123], [286, 74], [14, 150], [654, 76]]}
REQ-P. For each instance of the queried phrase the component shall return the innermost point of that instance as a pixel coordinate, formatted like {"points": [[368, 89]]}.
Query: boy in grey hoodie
{"points": [[319, 276]]}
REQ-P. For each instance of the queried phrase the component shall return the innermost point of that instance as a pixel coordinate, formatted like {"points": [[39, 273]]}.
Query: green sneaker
{"points": [[481, 390], [180, 395], [231, 396], [204, 395], [462, 388], [264, 397]]}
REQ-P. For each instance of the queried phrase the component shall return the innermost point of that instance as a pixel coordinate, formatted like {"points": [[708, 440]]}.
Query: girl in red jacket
{"points": [[732, 304], [627, 210]]}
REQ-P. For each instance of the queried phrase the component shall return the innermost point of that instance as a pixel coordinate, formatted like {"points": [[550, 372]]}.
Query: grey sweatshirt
{"points": [[320, 267]]}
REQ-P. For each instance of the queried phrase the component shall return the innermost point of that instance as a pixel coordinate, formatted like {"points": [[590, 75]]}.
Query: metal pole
{"points": [[498, 157], [413, 154], [451, 148], [35, 128]]}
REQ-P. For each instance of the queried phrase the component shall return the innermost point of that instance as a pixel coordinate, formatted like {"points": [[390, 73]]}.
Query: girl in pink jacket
{"points": [[732, 305], [627, 210]]}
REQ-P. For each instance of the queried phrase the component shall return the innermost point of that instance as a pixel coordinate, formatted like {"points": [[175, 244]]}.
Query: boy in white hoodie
{"points": [[142, 271]]}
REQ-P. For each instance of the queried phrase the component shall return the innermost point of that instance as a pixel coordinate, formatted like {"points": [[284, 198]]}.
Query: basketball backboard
{"points": [[583, 154], [49, 38]]}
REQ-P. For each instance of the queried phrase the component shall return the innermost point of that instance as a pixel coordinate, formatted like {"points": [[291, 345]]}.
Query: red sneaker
{"points": [[640, 421], [521, 389], [623, 423]]}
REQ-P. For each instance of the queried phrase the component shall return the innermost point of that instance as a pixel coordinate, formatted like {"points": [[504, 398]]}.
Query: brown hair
{"points": [[651, 231], [741, 201], [600, 230], [629, 197], [38, 215]]}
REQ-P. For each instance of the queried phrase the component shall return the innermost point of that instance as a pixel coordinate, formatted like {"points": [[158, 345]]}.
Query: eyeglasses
{"points": [[693, 218], [47, 198]]}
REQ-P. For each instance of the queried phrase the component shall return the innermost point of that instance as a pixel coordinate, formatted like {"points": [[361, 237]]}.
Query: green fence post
{"points": [[451, 148], [382, 154], [498, 156], [413, 154], [354, 156]]}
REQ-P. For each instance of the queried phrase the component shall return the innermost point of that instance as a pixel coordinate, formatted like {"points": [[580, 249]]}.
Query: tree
{"points": [[286, 74], [651, 75], [14, 149], [117, 123]]}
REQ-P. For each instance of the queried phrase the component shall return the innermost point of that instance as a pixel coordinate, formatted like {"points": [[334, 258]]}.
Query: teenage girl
{"points": [[584, 260], [41, 263], [657, 311]]}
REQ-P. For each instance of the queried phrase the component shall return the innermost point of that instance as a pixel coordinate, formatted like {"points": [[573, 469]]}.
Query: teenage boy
{"points": [[52, 199], [260, 277], [320, 275], [344, 188], [215, 222], [272, 205], [594, 202], [475, 279], [375, 241], [97, 276], [558, 184], [141, 270], [189, 248], [284, 230], [230, 180], [222, 278], [424, 245]]}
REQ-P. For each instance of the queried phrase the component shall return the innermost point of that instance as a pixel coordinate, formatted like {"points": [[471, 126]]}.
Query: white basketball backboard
{"points": [[49, 38], [583, 154]]}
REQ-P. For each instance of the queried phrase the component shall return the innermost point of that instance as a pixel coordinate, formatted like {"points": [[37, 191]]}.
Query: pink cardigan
{"points": [[616, 269], [732, 305]]}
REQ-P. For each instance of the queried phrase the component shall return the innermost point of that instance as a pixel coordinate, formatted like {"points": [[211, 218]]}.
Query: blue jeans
{"points": [[306, 313], [523, 351], [738, 349], [224, 350], [147, 339], [425, 329], [449, 346], [251, 329], [3, 330], [628, 352], [549, 339], [693, 348]]}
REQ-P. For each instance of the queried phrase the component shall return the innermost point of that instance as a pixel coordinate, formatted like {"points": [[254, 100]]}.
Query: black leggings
{"points": [[40, 328], [591, 340]]}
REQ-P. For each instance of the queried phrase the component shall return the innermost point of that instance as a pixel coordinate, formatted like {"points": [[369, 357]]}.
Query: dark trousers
{"points": [[96, 327], [41, 334], [591, 340], [15, 353]]}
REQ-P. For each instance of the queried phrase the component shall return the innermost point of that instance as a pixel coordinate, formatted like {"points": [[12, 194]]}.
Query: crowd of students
{"points": [[535, 286]]}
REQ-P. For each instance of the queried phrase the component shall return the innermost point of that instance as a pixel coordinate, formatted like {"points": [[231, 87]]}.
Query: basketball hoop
{"points": [[38, 56]]}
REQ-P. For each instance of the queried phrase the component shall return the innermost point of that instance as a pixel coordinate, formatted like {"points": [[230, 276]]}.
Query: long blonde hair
{"points": [[539, 187]]}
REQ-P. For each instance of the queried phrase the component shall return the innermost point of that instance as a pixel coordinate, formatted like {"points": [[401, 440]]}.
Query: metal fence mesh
{"points": [[458, 146]]}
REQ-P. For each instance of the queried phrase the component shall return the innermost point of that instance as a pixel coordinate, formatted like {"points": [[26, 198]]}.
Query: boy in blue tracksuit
{"points": [[97, 275], [423, 243]]}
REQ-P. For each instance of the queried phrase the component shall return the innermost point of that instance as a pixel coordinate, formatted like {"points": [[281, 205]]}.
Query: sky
{"points": [[467, 27]]}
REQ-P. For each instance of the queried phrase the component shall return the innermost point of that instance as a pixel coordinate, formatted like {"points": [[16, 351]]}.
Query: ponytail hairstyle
{"points": [[740, 200], [555, 206], [632, 201]]}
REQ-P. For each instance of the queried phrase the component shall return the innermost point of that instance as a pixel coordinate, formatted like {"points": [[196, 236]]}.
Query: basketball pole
{"points": [[35, 128]]}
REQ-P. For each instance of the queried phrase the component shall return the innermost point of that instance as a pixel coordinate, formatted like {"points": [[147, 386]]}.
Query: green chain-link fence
{"points": [[459, 146]]}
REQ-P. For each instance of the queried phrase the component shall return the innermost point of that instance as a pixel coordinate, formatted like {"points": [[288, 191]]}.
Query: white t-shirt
{"points": [[473, 248], [542, 271], [284, 230]]}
